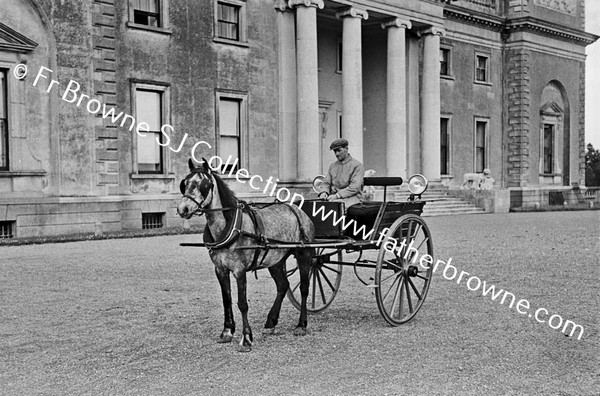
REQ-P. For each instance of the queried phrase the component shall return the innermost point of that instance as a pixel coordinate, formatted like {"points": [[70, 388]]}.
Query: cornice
{"points": [[549, 29], [475, 18], [508, 26]]}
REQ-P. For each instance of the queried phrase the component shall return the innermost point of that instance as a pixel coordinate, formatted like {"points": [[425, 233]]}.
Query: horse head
{"points": [[197, 190]]}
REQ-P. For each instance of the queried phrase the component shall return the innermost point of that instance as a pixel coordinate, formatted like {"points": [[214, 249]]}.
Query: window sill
{"points": [[156, 176], [550, 174], [22, 173], [221, 40], [161, 30], [447, 77], [447, 176], [487, 83]]}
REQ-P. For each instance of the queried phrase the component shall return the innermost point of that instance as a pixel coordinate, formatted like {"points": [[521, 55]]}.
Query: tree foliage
{"points": [[592, 166]]}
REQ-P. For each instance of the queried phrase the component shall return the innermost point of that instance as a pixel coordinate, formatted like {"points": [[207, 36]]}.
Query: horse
{"points": [[231, 224]]}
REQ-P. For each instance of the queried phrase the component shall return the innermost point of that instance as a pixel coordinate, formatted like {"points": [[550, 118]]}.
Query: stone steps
{"points": [[439, 202]]}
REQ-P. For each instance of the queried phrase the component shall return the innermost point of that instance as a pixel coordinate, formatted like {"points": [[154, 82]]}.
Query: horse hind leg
{"points": [[229, 325], [246, 341], [304, 258], [279, 276]]}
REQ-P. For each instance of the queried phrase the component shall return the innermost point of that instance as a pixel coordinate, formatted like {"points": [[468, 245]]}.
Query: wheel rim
{"points": [[401, 281], [324, 280]]}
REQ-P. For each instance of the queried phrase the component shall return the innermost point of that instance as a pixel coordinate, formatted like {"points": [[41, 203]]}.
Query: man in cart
{"points": [[344, 180]]}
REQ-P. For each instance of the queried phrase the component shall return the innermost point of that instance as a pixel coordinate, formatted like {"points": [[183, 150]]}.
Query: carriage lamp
{"points": [[319, 186], [417, 184]]}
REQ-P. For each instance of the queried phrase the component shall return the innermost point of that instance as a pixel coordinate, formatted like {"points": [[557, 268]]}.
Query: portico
{"points": [[361, 63]]}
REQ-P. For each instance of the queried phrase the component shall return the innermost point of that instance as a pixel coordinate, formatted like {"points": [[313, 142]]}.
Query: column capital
{"points": [[433, 30], [352, 12], [281, 5], [396, 22], [306, 3]]}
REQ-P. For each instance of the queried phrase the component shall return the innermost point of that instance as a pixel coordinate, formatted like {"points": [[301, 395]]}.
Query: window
{"points": [[480, 147], [230, 23], [149, 15], [339, 57], [146, 12], [149, 109], [7, 229], [3, 121], [445, 146], [152, 220], [231, 130], [481, 68], [548, 144], [445, 61]]}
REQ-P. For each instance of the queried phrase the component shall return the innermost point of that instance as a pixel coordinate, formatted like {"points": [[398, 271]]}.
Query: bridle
{"points": [[206, 188]]}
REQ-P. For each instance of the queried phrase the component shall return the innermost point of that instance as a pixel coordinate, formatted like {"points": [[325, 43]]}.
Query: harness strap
{"points": [[303, 236], [259, 229], [232, 235]]}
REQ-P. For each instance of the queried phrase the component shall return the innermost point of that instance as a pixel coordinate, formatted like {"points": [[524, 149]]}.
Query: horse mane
{"points": [[228, 198]]}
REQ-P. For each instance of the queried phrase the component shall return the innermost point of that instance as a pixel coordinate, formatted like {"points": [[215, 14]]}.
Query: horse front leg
{"points": [[229, 325], [246, 341], [304, 258]]}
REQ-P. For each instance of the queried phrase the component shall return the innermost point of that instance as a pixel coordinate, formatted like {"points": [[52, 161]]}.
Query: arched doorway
{"points": [[554, 136]]}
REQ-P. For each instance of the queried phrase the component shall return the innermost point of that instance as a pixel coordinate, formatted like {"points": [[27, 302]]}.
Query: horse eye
{"points": [[182, 187]]}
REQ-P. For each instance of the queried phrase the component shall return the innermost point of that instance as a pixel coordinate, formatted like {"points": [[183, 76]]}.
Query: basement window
{"points": [[7, 229], [152, 220]]}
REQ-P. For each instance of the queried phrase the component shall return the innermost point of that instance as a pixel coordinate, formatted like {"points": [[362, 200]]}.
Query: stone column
{"points": [[352, 101], [396, 123], [288, 134], [308, 86], [430, 104]]}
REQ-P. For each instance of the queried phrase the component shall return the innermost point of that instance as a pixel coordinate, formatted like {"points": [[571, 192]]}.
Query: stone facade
{"points": [[302, 73]]}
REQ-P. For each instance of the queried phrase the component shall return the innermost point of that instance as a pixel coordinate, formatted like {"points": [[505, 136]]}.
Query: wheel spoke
{"points": [[422, 242], [395, 274], [391, 286], [414, 235], [393, 264], [295, 287], [401, 295], [399, 289], [414, 288], [410, 308], [318, 278], [331, 269], [314, 287], [326, 279], [422, 277], [292, 271]]}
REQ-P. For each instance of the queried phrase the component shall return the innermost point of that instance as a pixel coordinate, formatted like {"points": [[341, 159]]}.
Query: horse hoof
{"points": [[270, 331], [300, 331], [244, 348], [225, 339]]}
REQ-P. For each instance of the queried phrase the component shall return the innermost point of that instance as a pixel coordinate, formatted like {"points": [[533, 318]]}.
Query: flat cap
{"points": [[338, 143]]}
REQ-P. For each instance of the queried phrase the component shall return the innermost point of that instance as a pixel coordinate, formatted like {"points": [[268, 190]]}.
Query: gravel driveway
{"points": [[141, 316]]}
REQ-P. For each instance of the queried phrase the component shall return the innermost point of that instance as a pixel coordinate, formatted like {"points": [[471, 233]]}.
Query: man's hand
{"points": [[333, 197], [323, 195]]}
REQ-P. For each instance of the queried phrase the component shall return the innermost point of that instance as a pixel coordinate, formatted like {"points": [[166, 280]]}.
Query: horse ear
{"points": [[191, 164], [205, 165]]}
